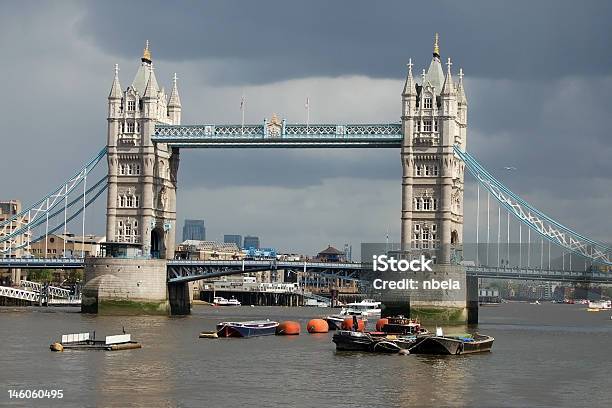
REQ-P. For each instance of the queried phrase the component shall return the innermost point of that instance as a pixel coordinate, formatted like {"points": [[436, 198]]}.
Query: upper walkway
{"points": [[281, 135]]}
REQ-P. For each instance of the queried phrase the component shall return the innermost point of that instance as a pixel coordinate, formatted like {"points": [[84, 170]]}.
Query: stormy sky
{"points": [[538, 82]]}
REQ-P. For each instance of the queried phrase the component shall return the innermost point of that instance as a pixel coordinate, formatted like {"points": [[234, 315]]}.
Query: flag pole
{"points": [[242, 111], [307, 115]]}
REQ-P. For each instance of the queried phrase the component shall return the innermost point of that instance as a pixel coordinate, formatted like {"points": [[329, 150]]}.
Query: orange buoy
{"points": [[288, 328], [347, 324], [317, 326], [381, 323]]}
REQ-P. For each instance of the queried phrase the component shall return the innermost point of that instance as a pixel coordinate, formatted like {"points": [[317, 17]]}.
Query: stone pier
{"points": [[131, 286]]}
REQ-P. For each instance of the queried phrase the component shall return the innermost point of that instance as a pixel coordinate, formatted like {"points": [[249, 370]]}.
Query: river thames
{"points": [[543, 355]]}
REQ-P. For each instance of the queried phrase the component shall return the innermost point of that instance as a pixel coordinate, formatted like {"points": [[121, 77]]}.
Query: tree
{"points": [[40, 275]]}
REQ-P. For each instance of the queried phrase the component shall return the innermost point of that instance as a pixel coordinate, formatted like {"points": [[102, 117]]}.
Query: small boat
{"points": [[599, 304], [452, 345], [367, 308], [246, 329], [348, 340], [335, 321], [86, 341], [221, 301]]}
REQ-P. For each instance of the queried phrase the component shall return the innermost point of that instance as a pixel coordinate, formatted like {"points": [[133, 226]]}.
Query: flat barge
{"points": [[83, 341]]}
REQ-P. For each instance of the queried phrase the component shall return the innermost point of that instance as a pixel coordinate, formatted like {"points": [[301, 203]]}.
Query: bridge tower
{"points": [[141, 199], [434, 119], [141, 204]]}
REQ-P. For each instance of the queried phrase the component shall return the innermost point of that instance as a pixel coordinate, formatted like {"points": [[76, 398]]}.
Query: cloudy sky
{"points": [[538, 79]]}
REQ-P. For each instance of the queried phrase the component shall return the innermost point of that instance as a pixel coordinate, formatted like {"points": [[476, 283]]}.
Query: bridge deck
{"points": [[181, 270]]}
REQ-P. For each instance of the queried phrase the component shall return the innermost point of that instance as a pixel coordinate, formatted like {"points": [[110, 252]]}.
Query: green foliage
{"points": [[74, 276], [40, 275]]}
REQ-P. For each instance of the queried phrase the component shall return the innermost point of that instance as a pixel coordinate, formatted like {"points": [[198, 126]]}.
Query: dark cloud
{"points": [[271, 40], [538, 82]]}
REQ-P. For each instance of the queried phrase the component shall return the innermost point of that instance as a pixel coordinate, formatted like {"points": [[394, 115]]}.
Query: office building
{"points": [[194, 230], [233, 239]]}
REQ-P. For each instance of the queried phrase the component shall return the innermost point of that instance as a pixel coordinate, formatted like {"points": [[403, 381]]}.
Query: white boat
{"points": [[600, 304], [221, 301], [367, 308]]}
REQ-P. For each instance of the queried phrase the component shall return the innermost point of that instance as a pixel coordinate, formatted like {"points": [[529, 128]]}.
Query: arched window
{"points": [[426, 204], [435, 207], [129, 201], [137, 169], [417, 204], [427, 170], [436, 170], [136, 204], [121, 203], [122, 169], [419, 170]]}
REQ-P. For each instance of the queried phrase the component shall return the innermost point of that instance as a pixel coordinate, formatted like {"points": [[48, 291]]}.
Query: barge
{"points": [[85, 341]]}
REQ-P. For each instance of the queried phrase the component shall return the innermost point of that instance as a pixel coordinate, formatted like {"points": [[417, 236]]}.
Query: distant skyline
{"points": [[538, 81]]}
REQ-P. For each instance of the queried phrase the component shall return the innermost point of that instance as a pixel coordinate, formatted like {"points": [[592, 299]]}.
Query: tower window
{"points": [[417, 227], [417, 204], [130, 127], [419, 171], [426, 204], [137, 169], [427, 170], [427, 103], [435, 207], [122, 169], [427, 126], [436, 124], [436, 170], [131, 106]]}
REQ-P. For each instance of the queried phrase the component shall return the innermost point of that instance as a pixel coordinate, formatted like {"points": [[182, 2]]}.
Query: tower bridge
{"points": [[143, 144]]}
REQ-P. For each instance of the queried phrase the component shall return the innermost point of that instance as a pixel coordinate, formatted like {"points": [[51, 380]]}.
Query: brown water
{"points": [[546, 355]]}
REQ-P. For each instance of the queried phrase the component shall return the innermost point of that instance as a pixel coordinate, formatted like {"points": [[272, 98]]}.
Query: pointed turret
{"points": [[175, 100], [145, 74], [115, 92], [151, 88], [449, 86], [435, 73], [409, 86], [174, 104], [460, 90]]}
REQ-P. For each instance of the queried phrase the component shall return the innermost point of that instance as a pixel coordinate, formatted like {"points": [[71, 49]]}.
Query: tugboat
{"points": [[403, 325], [246, 329]]}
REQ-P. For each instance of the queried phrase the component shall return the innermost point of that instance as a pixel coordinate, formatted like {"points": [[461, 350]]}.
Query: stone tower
{"points": [[434, 118], [141, 200]]}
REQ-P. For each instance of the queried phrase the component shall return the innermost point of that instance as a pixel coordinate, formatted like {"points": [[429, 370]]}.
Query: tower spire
{"points": [[436, 48], [409, 86], [146, 54], [175, 100], [449, 86], [115, 92]]}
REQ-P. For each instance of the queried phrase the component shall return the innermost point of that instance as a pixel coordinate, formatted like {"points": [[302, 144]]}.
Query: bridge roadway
{"points": [[186, 270]]}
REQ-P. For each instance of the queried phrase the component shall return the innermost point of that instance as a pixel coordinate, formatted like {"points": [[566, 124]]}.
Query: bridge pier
{"points": [[431, 304], [125, 286], [180, 298]]}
